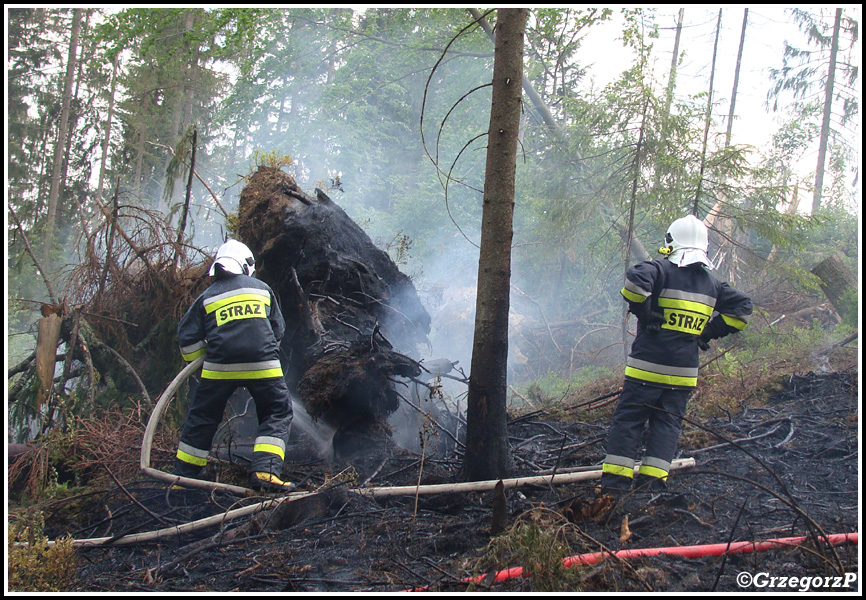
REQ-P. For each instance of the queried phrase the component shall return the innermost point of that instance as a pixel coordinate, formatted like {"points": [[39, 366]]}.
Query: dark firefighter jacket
{"points": [[688, 301], [237, 323]]}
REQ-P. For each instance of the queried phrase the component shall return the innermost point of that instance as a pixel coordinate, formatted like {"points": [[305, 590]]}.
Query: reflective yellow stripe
{"points": [[618, 470], [211, 307], [189, 458], [260, 374], [696, 307], [270, 449], [631, 296], [734, 322], [653, 472], [659, 378], [194, 355]]}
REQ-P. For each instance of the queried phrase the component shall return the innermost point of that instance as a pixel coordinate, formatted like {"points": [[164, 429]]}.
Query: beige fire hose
{"points": [[481, 486], [408, 490], [147, 442]]}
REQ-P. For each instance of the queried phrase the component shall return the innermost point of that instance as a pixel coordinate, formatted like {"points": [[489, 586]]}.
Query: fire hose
{"points": [[146, 469], [698, 551], [150, 431], [470, 486]]}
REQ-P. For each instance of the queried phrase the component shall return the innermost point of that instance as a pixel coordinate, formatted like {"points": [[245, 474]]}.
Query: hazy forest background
{"points": [[386, 110]]}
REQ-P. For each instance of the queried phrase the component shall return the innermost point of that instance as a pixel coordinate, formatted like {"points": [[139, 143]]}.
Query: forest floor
{"points": [[781, 466]]}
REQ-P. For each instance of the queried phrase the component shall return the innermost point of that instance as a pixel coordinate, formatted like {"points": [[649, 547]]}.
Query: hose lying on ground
{"points": [[161, 534], [698, 551]]}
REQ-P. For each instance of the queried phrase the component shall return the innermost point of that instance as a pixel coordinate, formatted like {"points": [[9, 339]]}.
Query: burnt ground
{"points": [[791, 470]]}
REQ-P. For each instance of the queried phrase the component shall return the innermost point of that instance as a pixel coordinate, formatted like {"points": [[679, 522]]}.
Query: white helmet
{"points": [[234, 257], [687, 242]]}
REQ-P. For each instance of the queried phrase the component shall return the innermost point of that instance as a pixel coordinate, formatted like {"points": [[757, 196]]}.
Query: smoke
{"points": [[318, 433]]}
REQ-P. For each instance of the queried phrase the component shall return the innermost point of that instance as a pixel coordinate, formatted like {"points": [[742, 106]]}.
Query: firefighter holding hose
{"points": [[237, 325], [680, 307]]}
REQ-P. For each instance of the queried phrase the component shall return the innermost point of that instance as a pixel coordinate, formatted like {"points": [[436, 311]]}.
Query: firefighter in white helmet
{"points": [[680, 307], [237, 325]]}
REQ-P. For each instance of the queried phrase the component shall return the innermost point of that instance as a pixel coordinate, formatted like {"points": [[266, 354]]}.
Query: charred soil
{"points": [[783, 467]]}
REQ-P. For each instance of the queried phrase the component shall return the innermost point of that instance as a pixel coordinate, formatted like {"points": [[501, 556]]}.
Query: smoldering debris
{"points": [[358, 543]]}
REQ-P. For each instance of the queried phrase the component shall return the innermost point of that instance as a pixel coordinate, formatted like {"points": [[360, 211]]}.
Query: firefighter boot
{"points": [[270, 483]]}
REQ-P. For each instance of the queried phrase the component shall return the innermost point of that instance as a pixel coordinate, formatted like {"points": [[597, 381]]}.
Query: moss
{"points": [[35, 566]]}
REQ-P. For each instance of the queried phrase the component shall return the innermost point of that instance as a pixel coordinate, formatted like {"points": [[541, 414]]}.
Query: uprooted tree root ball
{"points": [[349, 310], [344, 385]]}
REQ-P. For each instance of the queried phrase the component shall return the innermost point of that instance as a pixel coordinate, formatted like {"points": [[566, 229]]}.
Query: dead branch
{"points": [[611, 395], [742, 440], [813, 526], [36, 263], [199, 177], [24, 365], [788, 497], [133, 498], [129, 369], [847, 340], [138, 252]]}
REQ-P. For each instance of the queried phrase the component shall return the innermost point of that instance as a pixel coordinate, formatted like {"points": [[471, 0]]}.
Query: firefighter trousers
{"points": [[659, 409], [274, 412]]}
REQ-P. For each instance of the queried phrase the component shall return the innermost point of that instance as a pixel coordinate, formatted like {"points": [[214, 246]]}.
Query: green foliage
{"points": [[35, 566], [355, 92], [273, 159], [750, 365], [538, 542], [54, 453], [801, 72], [551, 389]]}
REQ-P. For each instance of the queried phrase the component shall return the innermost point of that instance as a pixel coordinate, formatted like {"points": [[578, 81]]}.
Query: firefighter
{"points": [[680, 307], [237, 325]]}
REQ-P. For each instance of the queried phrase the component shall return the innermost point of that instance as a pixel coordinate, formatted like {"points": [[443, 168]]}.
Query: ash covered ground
{"points": [[782, 467]]}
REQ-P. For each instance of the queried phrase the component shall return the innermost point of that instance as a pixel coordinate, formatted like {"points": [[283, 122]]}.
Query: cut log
{"points": [[838, 284], [353, 320]]}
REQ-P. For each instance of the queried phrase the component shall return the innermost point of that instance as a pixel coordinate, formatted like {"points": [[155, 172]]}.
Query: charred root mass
{"points": [[349, 311]]}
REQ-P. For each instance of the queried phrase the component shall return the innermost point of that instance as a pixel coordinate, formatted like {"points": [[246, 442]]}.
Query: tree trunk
{"points": [[182, 112], [825, 123], [106, 141], [727, 261], [185, 211], [631, 211], [736, 78], [487, 453], [56, 174], [791, 210], [672, 77], [709, 116], [838, 284]]}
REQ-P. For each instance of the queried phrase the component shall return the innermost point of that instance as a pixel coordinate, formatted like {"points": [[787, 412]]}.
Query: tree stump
{"points": [[838, 284]]}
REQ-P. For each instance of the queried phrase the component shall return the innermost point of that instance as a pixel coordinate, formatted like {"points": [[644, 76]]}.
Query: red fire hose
{"points": [[684, 551]]}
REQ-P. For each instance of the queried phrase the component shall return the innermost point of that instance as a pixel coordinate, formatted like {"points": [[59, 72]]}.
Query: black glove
{"points": [[704, 340], [651, 321]]}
